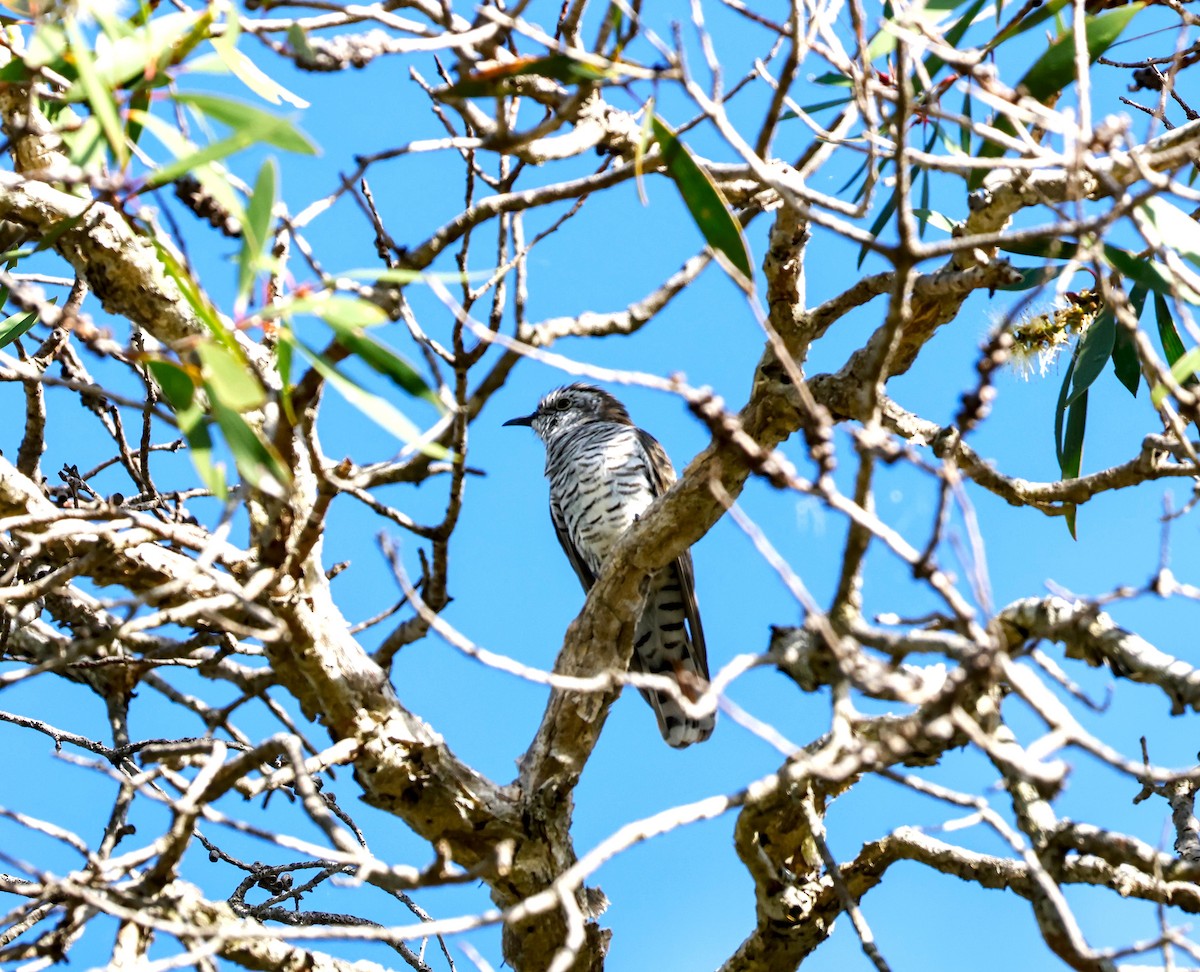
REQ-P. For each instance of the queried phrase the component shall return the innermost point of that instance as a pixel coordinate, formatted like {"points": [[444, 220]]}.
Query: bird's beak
{"points": [[522, 420]]}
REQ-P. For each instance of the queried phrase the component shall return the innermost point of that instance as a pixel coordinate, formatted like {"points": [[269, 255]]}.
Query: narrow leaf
{"points": [[1034, 277], [1148, 273], [259, 464], [378, 410], [1183, 370], [1126, 365], [1172, 344], [251, 75], [99, 96], [132, 55], [1069, 442], [1055, 69], [1093, 353], [13, 327], [229, 378], [283, 365], [210, 153], [1166, 225], [348, 312], [1018, 27], [931, 217], [194, 425], [195, 297], [245, 119], [139, 101], [933, 63], [256, 231], [1173, 350], [881, 221], [1060, 412], [177, 386], [211, 175], [1049, 249], [707, 206], [383, 360]]}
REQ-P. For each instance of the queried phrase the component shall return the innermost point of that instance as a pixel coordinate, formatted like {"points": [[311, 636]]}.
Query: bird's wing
{"points": [[582, 570], [662, 477], [662, 473]]}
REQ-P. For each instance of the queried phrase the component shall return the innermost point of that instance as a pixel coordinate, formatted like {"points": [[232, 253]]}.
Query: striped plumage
{"points": [[604, 472]]}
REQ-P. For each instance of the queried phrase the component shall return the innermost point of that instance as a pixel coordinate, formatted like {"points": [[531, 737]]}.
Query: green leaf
{"points": [[1068, 437], [1034, 277], [931, 217], [283, 365], [876, 229], [256, 231], [257, 461], [859, 173], [229, 377], [15, 72], [1018, 27], [210, 153], [1148, 273], [348, 317], [1183, 370], [1172, 344], [125, 55], [933, 63], [246, 120], [1166, 225], [1055, 69], [194, 426], [707, 206], [1180, 360], [13, 327], [195, 297], [964, 128], [140, 102], [1093, 352], [930, 13], [298, 40], [833, 79], [818, 106], [99, 95], [350, 312], [87, 146], [383, 360], [251, 75], [52, 236], [1049, 249], [1126, 365], [212, 176], [176, 383], [402, 276], [378, 410], [47, 47]]}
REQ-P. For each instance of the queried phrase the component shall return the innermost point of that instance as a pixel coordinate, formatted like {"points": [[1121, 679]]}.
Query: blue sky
{"points": [[682, 901]]}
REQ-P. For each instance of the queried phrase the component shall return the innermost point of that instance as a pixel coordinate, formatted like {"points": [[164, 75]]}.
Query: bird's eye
{"points": [[562, 404]]}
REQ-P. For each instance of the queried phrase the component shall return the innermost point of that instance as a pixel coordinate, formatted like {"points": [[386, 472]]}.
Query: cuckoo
{"points": [[604, 473]]}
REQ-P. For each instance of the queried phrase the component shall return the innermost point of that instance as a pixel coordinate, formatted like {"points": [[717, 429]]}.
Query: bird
{"points": [[604, 473]]}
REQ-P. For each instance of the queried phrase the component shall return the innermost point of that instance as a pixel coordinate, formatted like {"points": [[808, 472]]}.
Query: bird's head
{"points": [[571, 406]]}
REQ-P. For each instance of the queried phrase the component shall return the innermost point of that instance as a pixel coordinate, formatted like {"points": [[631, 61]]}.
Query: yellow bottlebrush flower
{"points": [[1039, 338]]}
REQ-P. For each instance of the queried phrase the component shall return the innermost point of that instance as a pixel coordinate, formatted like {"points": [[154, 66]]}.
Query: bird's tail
{"points": [[664, 645]]}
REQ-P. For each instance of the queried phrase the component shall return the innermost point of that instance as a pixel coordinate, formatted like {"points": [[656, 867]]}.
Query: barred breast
{"points": [[599, 486]]}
